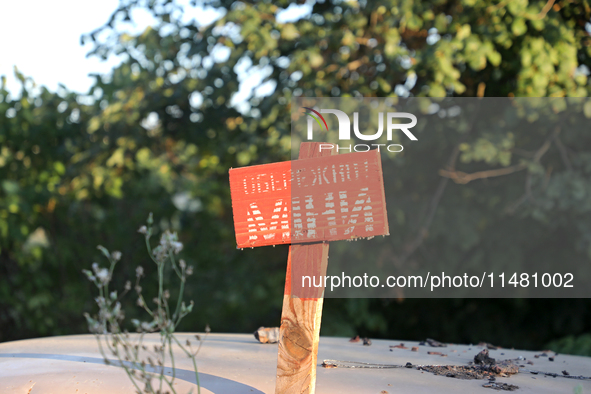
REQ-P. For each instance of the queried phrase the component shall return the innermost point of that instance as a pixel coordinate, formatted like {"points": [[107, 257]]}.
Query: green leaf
{"points": [[436, 90], [518, 27], [289, 32], [316, 60], [385, 86], [104, 251], [10, 187], [463, 32], [59, 167], [494, 58], [517, 7]]}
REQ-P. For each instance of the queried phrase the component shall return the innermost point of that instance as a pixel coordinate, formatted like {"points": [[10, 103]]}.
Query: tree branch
{"points": [[528, 195], [563, 153], [434, 203], [463, 178], [544, 11]]}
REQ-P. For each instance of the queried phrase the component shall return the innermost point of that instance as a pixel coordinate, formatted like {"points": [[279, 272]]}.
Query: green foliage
{"points": [[580, 345], [161, 134]]}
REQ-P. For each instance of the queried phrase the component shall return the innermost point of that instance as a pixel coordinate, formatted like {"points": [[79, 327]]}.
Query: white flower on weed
{"points": [[116, 255], [96, 328], [103, 275], [139, 271], [165, 238], [160, 253], [104, 314], [89, 275], [169, 242], [182, 264], [143, 230], [95, 267], [117, 312], [100, 301], [176, 247]]}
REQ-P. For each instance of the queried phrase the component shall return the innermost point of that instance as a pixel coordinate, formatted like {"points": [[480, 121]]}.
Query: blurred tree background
{"points": [[160, 132]]}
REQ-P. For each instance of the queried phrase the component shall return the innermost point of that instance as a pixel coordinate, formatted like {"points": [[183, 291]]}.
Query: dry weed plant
{"points": [[144, 365]]}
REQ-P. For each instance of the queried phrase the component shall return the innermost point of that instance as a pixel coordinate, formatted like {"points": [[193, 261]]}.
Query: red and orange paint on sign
{"points": [[323, 199]]}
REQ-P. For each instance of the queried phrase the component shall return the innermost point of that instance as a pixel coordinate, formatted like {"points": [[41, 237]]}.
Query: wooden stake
{"points": [[300, 319]]}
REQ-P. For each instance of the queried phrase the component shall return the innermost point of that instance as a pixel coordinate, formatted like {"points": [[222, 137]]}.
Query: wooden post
{"points": [[300, 318]]}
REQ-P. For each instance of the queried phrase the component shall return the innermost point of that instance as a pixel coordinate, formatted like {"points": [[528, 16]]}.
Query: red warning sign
{"points": [[311, 200]]}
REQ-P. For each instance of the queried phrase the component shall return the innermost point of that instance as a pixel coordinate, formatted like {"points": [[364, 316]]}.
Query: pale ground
{"points": [[235, 364]]}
